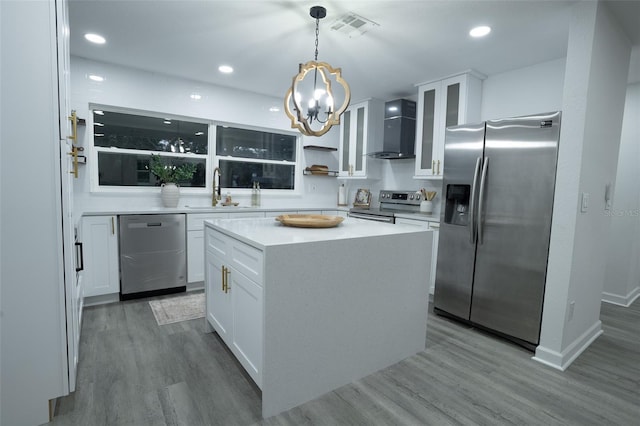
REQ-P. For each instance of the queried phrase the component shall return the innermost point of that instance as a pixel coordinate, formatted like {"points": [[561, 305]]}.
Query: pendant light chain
{"points": [[317, 33]]}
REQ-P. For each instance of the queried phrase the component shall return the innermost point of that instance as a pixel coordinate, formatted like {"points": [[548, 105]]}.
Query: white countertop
{"points": [[207, 209], [419, 216], [261, 233]]}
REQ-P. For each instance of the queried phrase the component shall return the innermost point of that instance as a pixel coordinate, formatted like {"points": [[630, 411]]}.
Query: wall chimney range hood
{"points": [[399, 130]]}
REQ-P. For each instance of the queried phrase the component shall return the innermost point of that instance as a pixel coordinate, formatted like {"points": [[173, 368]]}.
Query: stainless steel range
{"points": [[391, 202]]}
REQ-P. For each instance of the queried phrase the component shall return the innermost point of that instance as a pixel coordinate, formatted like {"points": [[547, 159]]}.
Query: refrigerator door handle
{"points": [[485, 166], [472, 203]]}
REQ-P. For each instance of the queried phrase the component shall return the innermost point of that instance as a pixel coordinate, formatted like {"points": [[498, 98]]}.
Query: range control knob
{"points": [[411, 197]]}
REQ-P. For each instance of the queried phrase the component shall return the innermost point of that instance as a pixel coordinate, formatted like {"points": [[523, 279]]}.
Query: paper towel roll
{"points": [[342, 195]]}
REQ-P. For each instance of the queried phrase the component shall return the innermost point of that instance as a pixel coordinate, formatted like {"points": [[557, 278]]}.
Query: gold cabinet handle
{"points": [[433, 167], [74, 125], [438, 166], [223, 276], [74, 154], [226, 280]]}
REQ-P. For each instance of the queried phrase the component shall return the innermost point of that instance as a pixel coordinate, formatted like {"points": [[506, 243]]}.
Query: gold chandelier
{"points": [[316, 94]]}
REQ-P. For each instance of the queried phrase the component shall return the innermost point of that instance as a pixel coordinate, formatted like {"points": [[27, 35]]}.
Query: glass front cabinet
{"points": [[361, 132], [443, 103]]}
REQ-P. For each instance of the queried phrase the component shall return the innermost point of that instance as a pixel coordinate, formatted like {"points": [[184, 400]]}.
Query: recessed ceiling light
{"points": [[95, 77], [196, 96], [480, 31], [225, 69], [274, 109], [95, 38]]}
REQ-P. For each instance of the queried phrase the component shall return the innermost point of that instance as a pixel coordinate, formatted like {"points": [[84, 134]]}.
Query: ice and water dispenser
{"points": [[456, 210]]}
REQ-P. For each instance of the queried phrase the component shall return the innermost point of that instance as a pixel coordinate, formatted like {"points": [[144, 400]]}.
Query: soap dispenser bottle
{"points": [[254, 195]]}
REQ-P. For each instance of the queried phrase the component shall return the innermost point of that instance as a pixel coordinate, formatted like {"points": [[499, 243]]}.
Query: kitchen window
{"points": [[246, 156], [123, 144]]}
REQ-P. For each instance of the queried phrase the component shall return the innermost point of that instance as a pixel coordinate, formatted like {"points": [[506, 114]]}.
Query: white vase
{"points": [[426, 206], [170, 194]]}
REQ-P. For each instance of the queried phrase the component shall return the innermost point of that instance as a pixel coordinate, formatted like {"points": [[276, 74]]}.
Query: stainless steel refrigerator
{"points": [[495, 223]]}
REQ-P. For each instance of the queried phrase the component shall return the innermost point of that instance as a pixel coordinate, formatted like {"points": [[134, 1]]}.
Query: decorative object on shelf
{"points": [[168, 176], [309, 220], [342, 195], [317, 169], [363, 198], [426, 206], [316, 92]]}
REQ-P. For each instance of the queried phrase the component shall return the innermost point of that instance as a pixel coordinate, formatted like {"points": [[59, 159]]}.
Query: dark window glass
{"points": [[119, 169], [245, 143], [115, 129], [241, 174]]}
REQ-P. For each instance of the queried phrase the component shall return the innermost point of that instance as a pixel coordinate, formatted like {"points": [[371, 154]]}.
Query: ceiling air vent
{"points": [[352, 25]]}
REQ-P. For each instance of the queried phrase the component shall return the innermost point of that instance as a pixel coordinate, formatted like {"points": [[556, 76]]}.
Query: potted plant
{"points": [[168, 176]]}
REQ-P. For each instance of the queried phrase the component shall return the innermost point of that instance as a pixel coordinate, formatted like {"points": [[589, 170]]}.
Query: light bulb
{"points": [[329, 103]]}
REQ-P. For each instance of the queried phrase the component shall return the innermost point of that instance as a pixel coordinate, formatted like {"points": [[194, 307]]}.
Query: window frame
{"points": [[297, 181], [94, 150], [212, 159]]}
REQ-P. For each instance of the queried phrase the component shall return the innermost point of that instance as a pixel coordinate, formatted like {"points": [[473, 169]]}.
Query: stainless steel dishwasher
{"points": [[153, 255]]}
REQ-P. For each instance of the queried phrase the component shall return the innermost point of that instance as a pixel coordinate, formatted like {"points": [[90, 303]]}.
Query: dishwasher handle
{"points": [[154, 224]]}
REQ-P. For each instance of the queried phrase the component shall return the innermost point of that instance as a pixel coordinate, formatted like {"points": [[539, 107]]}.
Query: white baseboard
{"points": [[625, 301], [102, 299], [562, 360]]}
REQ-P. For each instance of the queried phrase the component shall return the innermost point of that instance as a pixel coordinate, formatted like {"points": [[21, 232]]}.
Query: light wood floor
{"points": [[134, 372]]}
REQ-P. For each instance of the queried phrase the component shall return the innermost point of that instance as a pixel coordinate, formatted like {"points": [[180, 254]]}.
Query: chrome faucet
{"points": [[216, 188]]}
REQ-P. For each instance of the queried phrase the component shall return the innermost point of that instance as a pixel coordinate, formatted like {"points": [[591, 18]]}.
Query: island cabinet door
{"points": [[219, 308], [246, 298]]}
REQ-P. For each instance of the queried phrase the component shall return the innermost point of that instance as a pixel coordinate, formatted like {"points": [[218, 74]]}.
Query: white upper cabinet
{"points": [[443, 103], [361, 132]]}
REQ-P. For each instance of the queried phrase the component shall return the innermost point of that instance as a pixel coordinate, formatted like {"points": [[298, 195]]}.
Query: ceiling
{"points": [[414, 41]]}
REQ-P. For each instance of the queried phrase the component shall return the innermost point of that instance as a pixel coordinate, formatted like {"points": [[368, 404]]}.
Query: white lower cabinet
{"points": [[234, 294], [435, 227], [195, 240], [195, 243], [101, 272]]}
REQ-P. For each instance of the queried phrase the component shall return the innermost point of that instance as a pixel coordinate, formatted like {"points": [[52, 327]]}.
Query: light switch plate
{"points": [[584, 205]]}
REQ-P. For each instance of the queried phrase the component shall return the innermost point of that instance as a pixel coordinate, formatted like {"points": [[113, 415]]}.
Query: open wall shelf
{"points": [[319, 148]]}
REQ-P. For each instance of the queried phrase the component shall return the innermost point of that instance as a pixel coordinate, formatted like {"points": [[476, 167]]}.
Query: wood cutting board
{"points": [[310, 220]]}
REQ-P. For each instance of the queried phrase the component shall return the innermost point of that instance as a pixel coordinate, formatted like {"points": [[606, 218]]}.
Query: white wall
{"points": [[622, 278], [593, 101], [139, 90], [524, 91]]}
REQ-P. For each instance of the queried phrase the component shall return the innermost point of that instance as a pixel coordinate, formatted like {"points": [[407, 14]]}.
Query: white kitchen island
{"points": [[307, 310]]}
